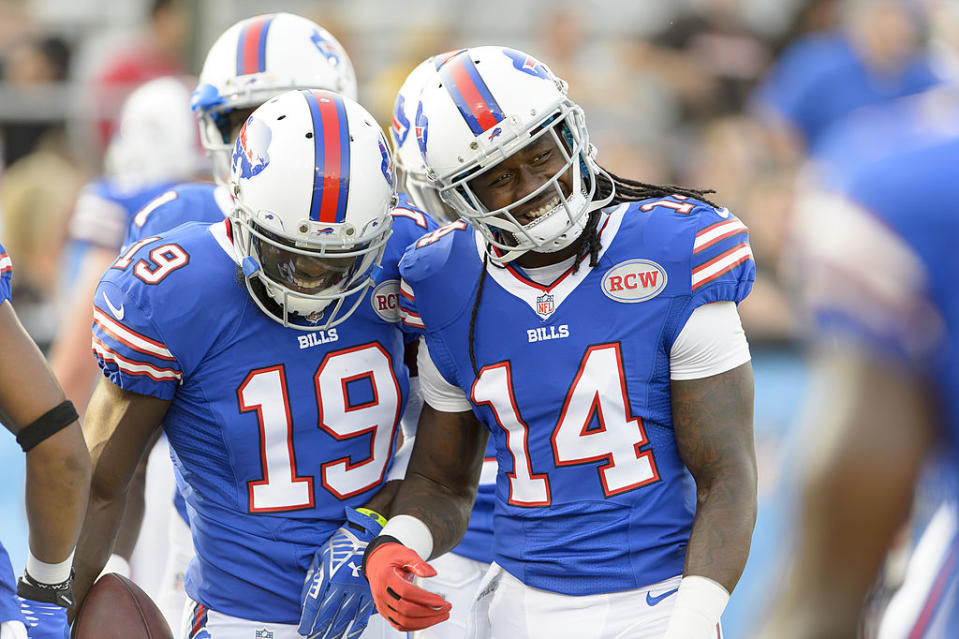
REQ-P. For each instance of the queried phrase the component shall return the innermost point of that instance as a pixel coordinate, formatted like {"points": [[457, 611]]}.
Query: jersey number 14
{"points": [[598, 391]]}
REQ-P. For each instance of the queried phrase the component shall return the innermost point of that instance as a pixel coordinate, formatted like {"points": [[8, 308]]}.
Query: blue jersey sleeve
{"points": [[722, 265], [128, 346], [6, 273]]}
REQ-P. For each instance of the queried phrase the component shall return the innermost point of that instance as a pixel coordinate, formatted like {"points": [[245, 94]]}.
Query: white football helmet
{"points": [[411, 176], [312, 184], [485, 104], [155, 140], [257, 59]]}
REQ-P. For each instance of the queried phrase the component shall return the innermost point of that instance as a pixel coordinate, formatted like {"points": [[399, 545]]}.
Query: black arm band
{"points": [[376, 543], [50, 423]]}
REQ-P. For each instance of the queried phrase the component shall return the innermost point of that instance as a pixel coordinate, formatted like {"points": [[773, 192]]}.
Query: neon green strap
{"points": [[372, 513]]}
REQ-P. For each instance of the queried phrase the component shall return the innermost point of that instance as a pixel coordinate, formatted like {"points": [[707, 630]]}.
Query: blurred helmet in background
{"points": [[411, 175], [255, 60], [155, 139]]}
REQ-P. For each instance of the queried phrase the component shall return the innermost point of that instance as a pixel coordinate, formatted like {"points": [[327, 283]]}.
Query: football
{"points": [[116, 608]]}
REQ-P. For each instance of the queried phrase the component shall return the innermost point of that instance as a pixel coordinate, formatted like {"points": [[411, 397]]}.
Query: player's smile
{"points": [[520, 175]]}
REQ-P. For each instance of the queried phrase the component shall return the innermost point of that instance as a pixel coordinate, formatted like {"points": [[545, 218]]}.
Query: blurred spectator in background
{"points": [[877, 55], [39, 180], [155, 146], [30, 66], [159, 50], [709, 58]]}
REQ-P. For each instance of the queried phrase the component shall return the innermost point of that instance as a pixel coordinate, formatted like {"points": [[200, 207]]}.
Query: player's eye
{"points": [[500, 179], [542, 157]]}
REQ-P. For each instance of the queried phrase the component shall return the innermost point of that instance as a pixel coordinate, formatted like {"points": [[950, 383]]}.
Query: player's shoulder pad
{"points": [[437, 251]]}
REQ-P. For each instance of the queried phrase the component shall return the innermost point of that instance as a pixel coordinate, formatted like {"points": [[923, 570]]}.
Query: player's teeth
{"points": [[549, 206]]}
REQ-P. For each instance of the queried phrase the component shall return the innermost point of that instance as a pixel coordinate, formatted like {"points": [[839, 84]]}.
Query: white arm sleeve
{"points": [[437, 392], [711, 342]]}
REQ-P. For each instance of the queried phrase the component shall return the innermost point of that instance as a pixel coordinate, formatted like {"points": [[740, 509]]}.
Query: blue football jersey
{"points": [[272, 430], [6, 274], [104, 210], [891, 281], [591, 494], [178, 205], [9, 604], [9, 607]]}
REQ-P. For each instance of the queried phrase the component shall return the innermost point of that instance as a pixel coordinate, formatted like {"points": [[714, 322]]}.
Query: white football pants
{"points": [[506, 608]]}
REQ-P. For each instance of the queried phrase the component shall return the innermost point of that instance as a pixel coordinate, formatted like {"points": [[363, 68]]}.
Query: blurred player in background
{"points": [[590, 324], [460, 571], [881, 284], [34, 408], [278, 377], [154, 147]]}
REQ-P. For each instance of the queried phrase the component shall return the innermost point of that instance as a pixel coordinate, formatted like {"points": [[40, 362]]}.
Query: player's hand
{"points": [[336, 598], [390, 569], [44, 607]]}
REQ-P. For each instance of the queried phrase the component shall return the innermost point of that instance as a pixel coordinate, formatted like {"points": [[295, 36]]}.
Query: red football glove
{"points": [[390, 569]]}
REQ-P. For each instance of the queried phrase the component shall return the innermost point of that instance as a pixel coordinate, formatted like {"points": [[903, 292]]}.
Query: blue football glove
{"points": [[44, 607], [337, 602]]}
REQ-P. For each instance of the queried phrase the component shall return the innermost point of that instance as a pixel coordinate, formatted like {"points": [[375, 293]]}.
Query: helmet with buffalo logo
{"points": [[312, 182]]}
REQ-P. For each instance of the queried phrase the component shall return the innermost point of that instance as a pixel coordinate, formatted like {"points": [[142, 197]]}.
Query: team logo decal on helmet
{"points": [[422, 126], [527, 63], [387, 165], [326, 48], [401, 125], [252, 155]]}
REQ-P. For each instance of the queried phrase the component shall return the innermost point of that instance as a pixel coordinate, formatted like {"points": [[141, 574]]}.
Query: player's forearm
{"points": [[57, 487], [445, 511], [723, 527], [97, 538]]}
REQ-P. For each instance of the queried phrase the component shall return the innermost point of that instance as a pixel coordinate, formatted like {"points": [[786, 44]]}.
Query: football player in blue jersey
{"points": [[252, 61], [881, 287], [589, 323], [34, 408], [269, 347]]}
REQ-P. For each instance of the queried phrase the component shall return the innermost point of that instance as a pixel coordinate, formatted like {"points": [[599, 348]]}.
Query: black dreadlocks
{"points": [[589, 243]]}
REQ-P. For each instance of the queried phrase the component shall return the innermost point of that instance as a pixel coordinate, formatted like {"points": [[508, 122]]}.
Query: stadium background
{"points": [[669, 88]]}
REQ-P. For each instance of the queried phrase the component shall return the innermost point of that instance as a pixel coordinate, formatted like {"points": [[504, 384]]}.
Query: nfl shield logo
{"points": [[544, 305], [263, 634]]}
